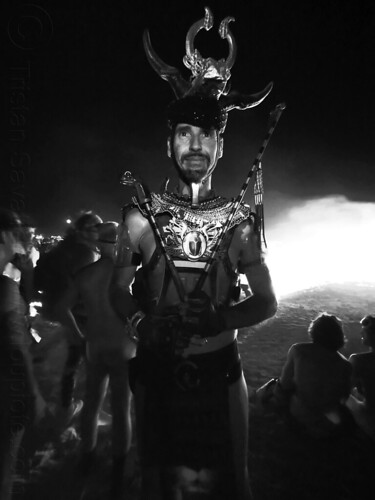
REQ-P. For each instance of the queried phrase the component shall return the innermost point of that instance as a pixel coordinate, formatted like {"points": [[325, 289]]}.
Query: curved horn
{"points": [[206, 23], [169, 73], [235, 100], [225, 32]]}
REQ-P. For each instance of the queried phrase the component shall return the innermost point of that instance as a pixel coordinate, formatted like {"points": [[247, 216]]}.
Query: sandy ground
{"points": [[284, 464]]}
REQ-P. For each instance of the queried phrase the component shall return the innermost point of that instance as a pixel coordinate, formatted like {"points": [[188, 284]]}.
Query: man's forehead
{"points": [[188, 126]]}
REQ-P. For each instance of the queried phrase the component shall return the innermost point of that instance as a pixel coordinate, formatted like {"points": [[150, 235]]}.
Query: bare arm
{"points": [[257, 308], [14, 345], [25, 264], [262, 304], [355, 379], [64, 308], [121, 298], [287, 373], [127, 261]]}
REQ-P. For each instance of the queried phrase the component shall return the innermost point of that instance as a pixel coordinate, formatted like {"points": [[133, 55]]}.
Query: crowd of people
{"points": [[322, 392], [153, 307]]}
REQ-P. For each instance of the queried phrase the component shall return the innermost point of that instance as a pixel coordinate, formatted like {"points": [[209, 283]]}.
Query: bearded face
{"points": [[195, 151]]}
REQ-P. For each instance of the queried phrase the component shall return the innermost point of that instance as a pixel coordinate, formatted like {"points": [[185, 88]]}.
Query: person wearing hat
{"points": [[108, 350], [190, 392], [362, 400]]}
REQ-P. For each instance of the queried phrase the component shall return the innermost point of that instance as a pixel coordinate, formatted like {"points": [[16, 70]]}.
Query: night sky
{"points": [[89, 106]]}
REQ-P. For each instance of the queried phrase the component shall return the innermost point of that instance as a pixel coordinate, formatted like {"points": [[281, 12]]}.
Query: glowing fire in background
{"points": [[328, 240], [315, 242]]}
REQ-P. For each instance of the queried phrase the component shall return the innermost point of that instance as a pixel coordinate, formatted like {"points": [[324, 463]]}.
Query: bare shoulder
{"points": [[343, 357], [344, 360], [135, 224], [307, 351], [356, 357], [295, 351], [361, 358], [103, 264], [82, 256], [244, 233], [300, 348], [246, 243], [134, 216]]}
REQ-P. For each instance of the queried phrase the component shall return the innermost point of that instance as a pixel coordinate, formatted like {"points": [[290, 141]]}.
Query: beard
{"points": [[192, 176], [190, 172]]}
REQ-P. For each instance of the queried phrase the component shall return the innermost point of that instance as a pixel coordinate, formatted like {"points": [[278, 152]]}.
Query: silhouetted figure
{"points": [[53, 275], [317, 377], [362, 400], [108, 349], [20, 400]]}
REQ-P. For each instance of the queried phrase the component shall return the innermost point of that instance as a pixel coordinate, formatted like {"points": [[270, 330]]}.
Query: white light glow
{"points": [[33, 308], [328, 240]]}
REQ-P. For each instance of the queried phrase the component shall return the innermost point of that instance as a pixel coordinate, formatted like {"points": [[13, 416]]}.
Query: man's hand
{"points": [[163, 334], [200, 317]]}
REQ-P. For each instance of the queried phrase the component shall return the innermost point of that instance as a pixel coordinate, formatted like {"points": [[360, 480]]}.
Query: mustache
{"points": [[195, 155]]}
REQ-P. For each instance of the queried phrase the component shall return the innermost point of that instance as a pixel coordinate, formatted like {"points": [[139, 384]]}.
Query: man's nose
{"points": [[195, 142]]}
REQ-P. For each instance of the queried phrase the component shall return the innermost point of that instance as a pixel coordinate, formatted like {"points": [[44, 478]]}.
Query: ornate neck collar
{"points": [[210, 201]]}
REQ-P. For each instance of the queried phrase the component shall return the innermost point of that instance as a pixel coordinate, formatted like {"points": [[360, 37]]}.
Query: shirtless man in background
{"points": [[318, 378], [108, 350], [53, 275]]}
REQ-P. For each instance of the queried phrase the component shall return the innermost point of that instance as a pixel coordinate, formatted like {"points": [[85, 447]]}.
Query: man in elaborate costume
{"points": [[190, 393]]}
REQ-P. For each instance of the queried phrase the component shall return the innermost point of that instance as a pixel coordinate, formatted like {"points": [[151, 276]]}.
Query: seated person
{"points": [[318, 378], [362, 401]]}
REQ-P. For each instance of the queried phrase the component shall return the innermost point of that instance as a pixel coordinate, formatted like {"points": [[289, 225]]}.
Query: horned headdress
{"points": [[205, 99]]}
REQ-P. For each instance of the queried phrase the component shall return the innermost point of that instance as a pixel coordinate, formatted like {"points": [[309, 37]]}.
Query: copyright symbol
{"points": [[30, 27]]}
